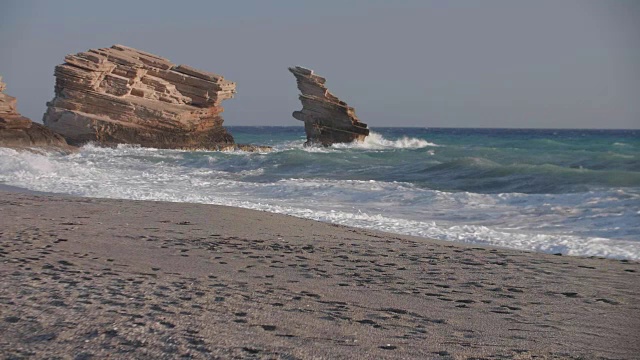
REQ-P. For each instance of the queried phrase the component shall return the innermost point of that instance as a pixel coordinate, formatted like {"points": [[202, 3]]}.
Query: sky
{"points": [[490, 63]]}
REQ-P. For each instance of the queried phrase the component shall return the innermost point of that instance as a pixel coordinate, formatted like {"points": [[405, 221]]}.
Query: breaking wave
{"points": [[376, 141], [339, 188]]}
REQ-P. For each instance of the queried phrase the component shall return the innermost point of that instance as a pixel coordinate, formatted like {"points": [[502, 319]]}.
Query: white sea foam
{"points": [[590, 223], [254, 172], [376, 141]]}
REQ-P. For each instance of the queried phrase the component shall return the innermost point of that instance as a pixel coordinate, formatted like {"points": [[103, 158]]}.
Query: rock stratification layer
{"points": [[17, 131], [327, 119], [123, 95]]}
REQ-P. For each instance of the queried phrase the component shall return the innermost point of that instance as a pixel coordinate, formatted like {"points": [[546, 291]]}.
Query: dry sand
{"points": [[91, 278]]}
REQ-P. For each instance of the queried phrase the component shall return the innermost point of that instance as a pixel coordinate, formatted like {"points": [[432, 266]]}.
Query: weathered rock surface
{"points": [[19, 132], [122, 95], [327, 119]]}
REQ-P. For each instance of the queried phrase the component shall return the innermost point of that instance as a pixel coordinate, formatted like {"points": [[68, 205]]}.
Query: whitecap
{"points": [[376, 141], [620, 144]]}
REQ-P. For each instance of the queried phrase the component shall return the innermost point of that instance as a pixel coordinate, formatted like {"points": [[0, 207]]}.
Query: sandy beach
{"points": [[92, 278]]}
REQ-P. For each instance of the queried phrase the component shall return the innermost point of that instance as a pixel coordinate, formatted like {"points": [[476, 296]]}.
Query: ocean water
{"points": [[575, 192]]}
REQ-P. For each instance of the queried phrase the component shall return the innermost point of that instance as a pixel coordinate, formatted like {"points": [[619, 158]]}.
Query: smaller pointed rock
{"points": [[327, 119]]}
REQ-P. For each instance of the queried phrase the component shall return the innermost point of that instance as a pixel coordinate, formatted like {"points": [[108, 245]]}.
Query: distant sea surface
{"points": [[575, 192]]}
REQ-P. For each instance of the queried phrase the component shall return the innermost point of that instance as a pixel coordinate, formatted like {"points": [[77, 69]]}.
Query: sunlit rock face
{"points": [[19, 132], [120, 95]]}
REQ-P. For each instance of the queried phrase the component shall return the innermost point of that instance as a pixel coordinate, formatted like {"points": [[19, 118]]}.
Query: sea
{"points": [[570, 192]]}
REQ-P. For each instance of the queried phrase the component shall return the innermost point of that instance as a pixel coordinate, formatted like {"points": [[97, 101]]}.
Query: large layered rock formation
{"points": [[18, 132], [327, 119], [123, 95]]}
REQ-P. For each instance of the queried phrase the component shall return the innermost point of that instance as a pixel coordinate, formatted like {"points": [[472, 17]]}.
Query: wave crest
{"points": [[376, 141]]}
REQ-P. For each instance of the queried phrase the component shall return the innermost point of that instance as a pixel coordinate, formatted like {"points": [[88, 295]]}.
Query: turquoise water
{"points": [[476, 160], [575, 192]]}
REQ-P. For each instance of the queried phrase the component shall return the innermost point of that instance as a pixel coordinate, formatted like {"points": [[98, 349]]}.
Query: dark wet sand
{"points": [[89, 278]]}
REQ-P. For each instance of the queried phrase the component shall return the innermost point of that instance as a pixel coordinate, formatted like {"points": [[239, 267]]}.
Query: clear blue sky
{"points": [[492, 63]]}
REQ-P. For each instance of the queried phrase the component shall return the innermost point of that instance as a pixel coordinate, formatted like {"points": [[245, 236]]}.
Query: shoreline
{"points": [[126, 278], [16, 189], [19, 190]]}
